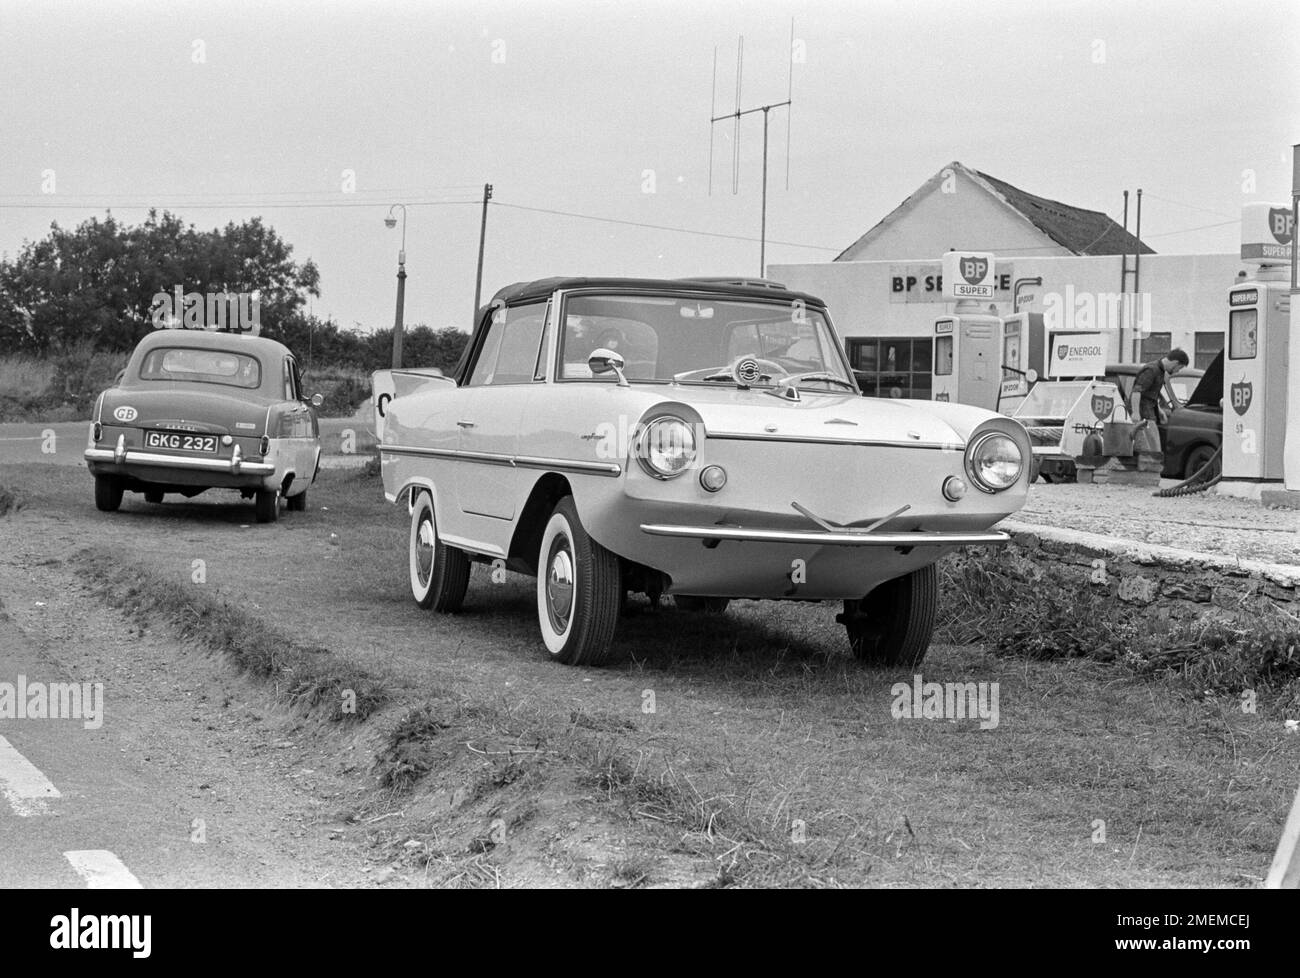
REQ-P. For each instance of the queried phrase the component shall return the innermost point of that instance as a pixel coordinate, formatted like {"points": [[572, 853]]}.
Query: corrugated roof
{"points": [[1084, 232]]}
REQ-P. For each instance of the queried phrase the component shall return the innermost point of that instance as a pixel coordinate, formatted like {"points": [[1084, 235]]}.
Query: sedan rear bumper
{"points": [[846, 537], [227, 466]]}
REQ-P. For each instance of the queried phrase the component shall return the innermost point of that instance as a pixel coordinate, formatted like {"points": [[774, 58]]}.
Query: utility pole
{"points": [[482, 238], [399, 318]]}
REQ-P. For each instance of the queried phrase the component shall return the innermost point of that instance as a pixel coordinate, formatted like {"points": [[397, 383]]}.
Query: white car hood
{"points": [[837, 417]]}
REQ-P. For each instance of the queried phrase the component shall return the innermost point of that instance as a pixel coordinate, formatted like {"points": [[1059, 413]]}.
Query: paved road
{"points": [[185, 779]]}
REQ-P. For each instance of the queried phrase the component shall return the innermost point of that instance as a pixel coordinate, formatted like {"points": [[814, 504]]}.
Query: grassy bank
{"points": [[743, 749]]}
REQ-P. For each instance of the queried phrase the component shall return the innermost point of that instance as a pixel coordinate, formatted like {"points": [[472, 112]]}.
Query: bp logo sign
{"points": [[1102, 406], [1279, 222], [974, 269], [1062, 351], [1242, 393]]}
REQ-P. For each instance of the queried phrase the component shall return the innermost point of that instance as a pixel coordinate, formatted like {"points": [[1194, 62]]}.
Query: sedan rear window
{"points": [[202, 367]]}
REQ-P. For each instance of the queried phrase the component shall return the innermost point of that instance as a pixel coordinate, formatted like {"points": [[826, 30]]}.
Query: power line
{"points": [[1194, 207], [232, 205], [1203, 227], [398, 191], [659, 227]]}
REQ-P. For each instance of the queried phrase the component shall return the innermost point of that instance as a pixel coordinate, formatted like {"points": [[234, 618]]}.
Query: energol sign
{"points": [[1076, 355]]}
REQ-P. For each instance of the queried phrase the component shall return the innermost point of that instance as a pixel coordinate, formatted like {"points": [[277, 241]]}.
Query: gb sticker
{"points": [[125, 413]]}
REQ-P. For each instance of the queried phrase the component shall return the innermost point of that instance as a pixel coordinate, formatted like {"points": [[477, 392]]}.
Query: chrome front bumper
{"points": [[235, 465], [845, 537]]}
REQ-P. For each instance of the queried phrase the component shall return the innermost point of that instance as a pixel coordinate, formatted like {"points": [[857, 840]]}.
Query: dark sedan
{"points": [[1193, 406]]}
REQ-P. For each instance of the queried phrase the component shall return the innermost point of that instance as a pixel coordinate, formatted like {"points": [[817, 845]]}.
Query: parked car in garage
{"points": [[1193, 406], [696, 439], [197, 410]]}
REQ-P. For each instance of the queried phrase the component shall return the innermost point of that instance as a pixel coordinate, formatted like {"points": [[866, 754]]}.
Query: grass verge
{"points": [[305, 677], [1035, 609]]}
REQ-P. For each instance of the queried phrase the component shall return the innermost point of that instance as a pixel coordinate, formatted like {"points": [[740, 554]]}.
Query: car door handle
{"points": [[465, 424]]}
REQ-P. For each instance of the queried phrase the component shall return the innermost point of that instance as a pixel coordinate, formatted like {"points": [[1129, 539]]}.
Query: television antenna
{"points": [[736, 116]]}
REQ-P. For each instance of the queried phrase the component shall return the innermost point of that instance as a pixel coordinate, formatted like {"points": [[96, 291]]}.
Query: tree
{"points": [[95, 284]]}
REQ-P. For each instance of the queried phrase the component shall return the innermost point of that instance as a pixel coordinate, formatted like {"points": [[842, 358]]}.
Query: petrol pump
{"points": [[1257, 355], [1022, 358], [968, 343]]}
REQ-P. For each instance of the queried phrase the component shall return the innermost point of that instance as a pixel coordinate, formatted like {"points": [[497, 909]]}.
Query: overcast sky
{"points": [[220, 111]]}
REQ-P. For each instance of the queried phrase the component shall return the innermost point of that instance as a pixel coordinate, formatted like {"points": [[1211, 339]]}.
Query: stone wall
{"points": [[1177, 583]]}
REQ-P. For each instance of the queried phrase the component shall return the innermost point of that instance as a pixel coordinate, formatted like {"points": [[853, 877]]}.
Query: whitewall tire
{"points": [[439, 574], [579, 590]]}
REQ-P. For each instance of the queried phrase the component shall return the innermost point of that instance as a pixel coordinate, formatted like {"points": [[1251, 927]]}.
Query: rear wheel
{"points": [[298, 503], [579, 590], [893, 624], [108, 494], [693, 602], [439, 574], [267, 504]]}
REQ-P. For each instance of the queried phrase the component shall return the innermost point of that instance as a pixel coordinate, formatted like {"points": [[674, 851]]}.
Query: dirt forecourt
{"points": [[741, 749]]}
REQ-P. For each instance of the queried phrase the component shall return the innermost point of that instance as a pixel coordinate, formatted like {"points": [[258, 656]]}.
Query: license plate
{"points": [[178, 442]]}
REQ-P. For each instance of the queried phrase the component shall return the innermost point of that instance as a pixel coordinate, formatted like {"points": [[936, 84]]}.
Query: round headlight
{"points": [[666, 447], [994, 461]]}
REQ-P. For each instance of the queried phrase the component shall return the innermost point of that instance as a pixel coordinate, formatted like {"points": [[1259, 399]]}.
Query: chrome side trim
{"points": [[571, 465], [132, 457], [847, 442], [427, 452], [465, 543], [518, 461], [841, 538]]}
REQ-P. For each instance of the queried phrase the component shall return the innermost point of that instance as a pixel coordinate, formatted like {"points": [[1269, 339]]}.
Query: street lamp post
{"points": [[398, 320]]}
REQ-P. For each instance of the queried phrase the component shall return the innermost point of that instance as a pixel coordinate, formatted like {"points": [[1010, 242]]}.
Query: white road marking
{"points": [[23, 786], [102, 870]]}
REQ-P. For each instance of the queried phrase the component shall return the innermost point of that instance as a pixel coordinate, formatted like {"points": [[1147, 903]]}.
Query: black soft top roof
{"points": [[542, 288], [742, 288]]}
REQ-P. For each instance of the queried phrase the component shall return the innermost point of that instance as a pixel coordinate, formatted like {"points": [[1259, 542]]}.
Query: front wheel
{"points": [[893, 624], [439, 574], [108, 493], [579, 590]]}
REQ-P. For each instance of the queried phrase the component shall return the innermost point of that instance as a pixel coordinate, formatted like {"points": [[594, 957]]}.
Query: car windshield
{"points": [[714, 340], [1051, 399], [1183, 385], [202, 367]]}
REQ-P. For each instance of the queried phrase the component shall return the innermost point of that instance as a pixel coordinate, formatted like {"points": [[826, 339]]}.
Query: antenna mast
{"points": [[736, 115]]}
